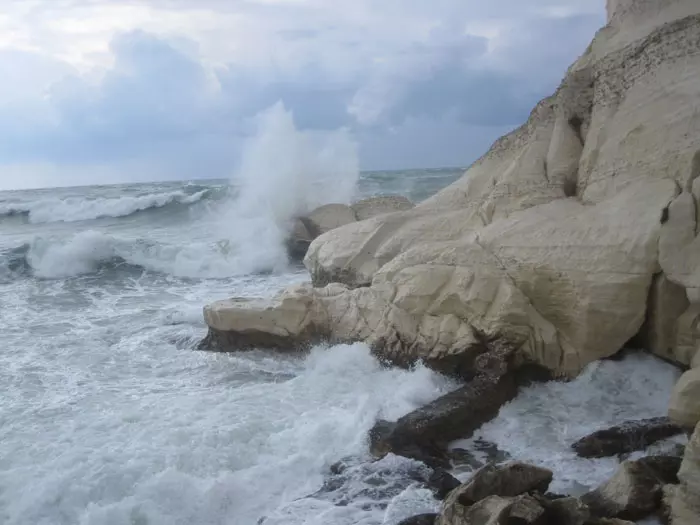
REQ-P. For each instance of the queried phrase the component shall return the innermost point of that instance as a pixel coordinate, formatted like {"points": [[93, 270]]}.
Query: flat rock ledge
{"points": [[244, 324]]}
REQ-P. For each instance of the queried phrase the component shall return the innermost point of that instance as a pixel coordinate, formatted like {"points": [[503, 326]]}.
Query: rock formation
{"points": [[573, 235], [330, 216], [635, 491]]}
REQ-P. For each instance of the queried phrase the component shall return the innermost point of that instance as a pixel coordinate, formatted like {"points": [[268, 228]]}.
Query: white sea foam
{"points": [[73, 209], [540, 425], [185, 448]]}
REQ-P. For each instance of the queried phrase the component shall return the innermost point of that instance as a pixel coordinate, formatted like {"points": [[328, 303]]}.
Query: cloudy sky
{"points": [[97, 91]]}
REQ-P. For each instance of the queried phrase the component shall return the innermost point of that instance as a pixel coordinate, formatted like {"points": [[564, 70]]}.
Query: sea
{"points": [[110, 415]]}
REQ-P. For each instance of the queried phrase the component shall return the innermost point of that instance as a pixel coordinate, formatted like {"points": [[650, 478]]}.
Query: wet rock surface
{"points": [[421, 519], [425, 433], [627, 437]]}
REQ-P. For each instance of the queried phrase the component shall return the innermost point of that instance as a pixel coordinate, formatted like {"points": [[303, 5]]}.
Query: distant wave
{"points": [[92, 252], [73, 209]]}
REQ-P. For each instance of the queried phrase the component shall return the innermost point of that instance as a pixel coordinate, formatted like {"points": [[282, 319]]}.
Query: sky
{"points": [[103, 91]]}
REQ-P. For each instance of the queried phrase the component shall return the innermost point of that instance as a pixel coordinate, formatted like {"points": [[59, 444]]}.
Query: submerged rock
{"points": [[626, 437]]}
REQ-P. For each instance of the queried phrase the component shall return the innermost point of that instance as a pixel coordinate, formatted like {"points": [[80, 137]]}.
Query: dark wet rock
{"points": [[553, 496], [425, 433], [665, 468], [422, 519], [442, 483], [512, 479], [491, 451], [565, 510], [460, 457], [627, 437], [610, 521], [635, 491]]}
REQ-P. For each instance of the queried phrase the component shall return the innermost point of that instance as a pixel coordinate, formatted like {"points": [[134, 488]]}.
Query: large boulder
{"points": [[626, 437], [331, 216], [636, 489], [494, 510], [511, 479], [321, 220], [685, 400]]}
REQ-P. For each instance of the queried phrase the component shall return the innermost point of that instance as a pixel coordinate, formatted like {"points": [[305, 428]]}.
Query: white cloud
{"points": [[158, 83]]}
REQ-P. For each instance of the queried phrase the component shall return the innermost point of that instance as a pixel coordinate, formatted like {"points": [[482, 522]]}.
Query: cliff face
{"points": [[572, 236]]}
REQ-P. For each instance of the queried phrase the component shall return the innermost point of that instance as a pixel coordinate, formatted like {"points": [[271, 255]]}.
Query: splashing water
{"points": [[285, 173]]}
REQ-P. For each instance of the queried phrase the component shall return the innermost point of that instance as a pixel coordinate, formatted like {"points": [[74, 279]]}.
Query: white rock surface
{"points": [[571, 236], [553, 239], [329, 217], [685, 401], [685, 508]]}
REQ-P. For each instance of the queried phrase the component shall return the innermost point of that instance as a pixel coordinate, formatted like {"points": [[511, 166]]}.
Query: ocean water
{"points": [[109, 416]]}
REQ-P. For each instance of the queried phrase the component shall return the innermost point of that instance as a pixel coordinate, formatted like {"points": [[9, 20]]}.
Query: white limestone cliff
{"points": [[573, 235]]}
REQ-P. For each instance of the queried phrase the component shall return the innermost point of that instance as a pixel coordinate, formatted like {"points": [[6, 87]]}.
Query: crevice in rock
{"points": [[576, 123]]}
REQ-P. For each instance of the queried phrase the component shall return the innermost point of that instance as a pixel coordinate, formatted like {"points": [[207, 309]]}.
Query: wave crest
{"points": [[74, 209], [91, 251]]}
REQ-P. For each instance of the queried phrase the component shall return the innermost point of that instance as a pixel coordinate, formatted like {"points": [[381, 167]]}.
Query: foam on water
{"points": [[210, 439], [540, 425]]}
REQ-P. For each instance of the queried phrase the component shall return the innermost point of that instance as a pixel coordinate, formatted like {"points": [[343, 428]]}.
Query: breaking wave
{"points": [[92, 251], [73, 209]]}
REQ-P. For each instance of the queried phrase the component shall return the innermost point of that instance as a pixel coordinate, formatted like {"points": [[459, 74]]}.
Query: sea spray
{"points": [[284, 173]]}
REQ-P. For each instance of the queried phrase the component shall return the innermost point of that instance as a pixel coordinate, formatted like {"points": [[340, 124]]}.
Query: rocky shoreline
{"points": [[574, 237]]}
